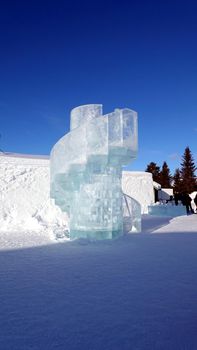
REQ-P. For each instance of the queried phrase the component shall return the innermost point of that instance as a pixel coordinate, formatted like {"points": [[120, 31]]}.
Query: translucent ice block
{"points": [[86, 169], [166, 210]]}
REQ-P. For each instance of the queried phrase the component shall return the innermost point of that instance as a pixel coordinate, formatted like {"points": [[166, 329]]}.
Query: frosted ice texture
{"points": [[166, 210], [86, 169], [131, 214]]}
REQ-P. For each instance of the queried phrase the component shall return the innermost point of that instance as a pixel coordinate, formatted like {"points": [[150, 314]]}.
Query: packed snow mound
{"points": [[25, 202], [139, 185]]}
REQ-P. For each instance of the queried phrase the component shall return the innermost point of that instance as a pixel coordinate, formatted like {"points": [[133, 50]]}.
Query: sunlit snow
{"points": [[135, 292]]}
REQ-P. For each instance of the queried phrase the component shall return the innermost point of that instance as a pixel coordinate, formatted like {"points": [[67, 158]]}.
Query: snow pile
{"points": [[139, 185], [25, 203]]}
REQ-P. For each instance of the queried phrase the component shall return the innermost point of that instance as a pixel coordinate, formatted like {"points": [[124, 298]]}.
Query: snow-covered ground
{"points": [[136, 292]]}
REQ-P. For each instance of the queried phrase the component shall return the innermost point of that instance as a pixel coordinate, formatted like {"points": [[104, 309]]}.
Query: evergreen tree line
{"points": [[184, 178]]}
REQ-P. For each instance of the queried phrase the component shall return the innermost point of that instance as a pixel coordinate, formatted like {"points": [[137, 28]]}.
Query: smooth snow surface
{"points": [[137, 292]]}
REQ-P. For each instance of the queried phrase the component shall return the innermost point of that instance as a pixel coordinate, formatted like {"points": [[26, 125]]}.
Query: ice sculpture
{"points": [[131, 214], [86, 169]]}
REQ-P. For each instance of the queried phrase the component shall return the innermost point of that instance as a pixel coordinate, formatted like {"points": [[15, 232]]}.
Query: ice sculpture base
{"points": [[166, 210], [95, 234]]}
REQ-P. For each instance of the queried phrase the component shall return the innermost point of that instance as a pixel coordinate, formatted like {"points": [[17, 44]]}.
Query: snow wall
{"points": [[139, 185], [25, 202]]}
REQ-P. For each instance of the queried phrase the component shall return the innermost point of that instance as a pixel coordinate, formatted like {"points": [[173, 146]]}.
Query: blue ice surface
{"points": [[136, 292], [167, 210]]}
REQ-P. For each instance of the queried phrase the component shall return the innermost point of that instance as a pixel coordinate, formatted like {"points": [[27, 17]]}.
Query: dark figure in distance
{"points": [[195, 201], [176, 198], [186, 200]]}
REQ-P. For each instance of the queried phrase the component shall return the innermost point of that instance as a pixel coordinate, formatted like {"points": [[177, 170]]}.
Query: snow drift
{"points": [[25, 203], [139, 185]]}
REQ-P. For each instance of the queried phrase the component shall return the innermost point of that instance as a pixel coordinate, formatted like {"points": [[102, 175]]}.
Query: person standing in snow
{"points": [[186, 200], [176, 198], [195, 201]]}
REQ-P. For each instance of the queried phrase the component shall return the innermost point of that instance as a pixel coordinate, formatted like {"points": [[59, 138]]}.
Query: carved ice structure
{"points": [[86, 170], [166, 210]]}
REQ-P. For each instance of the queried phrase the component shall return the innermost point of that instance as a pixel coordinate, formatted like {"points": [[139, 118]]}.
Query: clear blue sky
{"points": [[55, 55]]}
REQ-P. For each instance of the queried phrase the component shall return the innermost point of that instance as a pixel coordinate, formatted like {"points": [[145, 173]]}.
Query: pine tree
{"points": [[178, 184], [188, 169], [155, 170], [165, 177]]}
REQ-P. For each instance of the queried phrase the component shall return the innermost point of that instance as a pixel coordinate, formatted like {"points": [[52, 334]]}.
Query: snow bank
{"points": [[25, 203], [139, 185]]}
